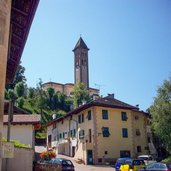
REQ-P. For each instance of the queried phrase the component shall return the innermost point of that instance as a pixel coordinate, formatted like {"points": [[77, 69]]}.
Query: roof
{"points": [[22, 14], [101, 102], [81, 44], [23, 119], [16, 110]]}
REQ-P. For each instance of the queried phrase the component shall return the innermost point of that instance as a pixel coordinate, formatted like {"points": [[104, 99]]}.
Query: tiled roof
{"points": [[23, 119], [102, 102], [80, 44], [16, 110], [112, 102]]}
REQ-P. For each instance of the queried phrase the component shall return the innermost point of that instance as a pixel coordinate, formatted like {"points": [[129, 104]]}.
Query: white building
{"points": [[22, 127]]}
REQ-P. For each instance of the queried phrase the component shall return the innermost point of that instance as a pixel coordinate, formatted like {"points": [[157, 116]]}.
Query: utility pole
{"points": [[10, 118]]}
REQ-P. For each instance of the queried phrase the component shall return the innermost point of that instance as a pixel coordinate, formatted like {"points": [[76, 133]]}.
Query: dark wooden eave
{"points": [[22, 14]]}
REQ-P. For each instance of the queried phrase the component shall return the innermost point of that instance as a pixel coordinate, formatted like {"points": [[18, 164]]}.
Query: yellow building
{"points": [[100, 131], [67, 88]]}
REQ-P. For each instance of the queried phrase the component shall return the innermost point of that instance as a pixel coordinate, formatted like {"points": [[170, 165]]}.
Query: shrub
{"points": [[168, 159], [17, 143], [47, 155]]}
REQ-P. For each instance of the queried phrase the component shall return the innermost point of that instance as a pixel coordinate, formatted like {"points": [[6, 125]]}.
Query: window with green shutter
{"points": [[104, 114], [124, 116], [124, 132]]}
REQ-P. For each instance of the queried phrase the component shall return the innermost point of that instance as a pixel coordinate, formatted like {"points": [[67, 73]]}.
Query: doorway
{"points": [[89, 157]]}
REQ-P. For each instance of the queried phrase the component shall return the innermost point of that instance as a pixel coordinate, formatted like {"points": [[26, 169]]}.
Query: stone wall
{"points": [[22, 161]]}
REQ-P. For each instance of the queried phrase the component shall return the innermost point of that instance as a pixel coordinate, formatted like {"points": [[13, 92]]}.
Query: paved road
{"points": [[82, 167], [78, 167]]}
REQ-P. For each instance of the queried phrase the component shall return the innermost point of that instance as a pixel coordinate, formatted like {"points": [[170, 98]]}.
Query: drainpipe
{"points": [[69, 137]]}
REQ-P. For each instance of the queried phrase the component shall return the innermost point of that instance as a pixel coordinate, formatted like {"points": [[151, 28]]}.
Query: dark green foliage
{"points": [[20, 75], [20, 102], [161, 114], [80, 94], [19, 89], [11, 94]]}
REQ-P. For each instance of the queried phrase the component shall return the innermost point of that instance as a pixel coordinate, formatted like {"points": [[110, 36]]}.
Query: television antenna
{"points": [[99, 87]]}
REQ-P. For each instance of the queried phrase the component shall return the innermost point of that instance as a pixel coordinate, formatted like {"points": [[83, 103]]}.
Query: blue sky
{"points": [[129, 42]]}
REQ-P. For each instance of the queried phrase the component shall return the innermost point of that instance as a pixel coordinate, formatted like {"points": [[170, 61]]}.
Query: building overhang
{"points": [[22, 14]]}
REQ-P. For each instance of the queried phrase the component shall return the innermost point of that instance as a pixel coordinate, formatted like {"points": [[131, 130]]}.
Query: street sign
{"points": [[8, 150]]}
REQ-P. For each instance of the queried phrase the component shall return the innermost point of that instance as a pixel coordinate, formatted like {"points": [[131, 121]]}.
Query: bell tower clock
{"points": [[81, 73]]}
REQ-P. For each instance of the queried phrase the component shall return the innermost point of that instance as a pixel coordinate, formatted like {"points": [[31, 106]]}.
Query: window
{"points": [[139, 149], [104, 114], [81, 134], [136, 117], [124, 132], [81, 118], [99, 160], [60, 135], [54, 125], [89, 115], [105, 131], [74, 133], [124, 116], [138, 132], [71, 133], [106, 152], [125, 154], [63, 135], [149, 139], [89, 135]]}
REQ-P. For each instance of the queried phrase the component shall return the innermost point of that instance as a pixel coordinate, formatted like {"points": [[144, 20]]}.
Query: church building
{"points": [[81, 72]]}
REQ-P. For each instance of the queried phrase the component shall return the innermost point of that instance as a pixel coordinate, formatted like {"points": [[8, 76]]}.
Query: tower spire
{"points": [[81, 62]]}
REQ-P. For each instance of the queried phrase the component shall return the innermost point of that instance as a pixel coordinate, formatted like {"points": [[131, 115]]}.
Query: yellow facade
{"points": [[105, 148]]}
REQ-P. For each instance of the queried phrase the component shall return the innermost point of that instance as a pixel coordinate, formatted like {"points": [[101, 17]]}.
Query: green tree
{"points": [[80, 94], [20, 89], [31, 93], [40, 98], [11, 94], [20, 102], [161, 114], [51, 93], [19, 77]]}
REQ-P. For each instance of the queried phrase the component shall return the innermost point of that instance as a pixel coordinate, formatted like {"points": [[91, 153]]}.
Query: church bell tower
{"points": [[81, 73]]}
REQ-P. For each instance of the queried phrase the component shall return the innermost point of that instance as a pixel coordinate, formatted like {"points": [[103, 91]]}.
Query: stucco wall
{"points": [[105, 147], [115, 142], [23, 133], [22, 161]]}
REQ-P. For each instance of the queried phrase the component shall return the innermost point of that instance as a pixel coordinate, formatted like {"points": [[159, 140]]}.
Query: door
{"points": [[73, 151], [89, 157]]}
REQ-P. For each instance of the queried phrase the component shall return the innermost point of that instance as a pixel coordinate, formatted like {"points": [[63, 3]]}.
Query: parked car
{"points": [[119, 162], [65, 164], [132, 165], [147, 159], [158, 166]]}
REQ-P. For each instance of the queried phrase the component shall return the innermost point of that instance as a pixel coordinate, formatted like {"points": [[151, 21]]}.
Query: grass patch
{"points": [[17, 144]]}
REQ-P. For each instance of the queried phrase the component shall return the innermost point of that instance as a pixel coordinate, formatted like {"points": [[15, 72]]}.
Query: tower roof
{"points": [[80, 44]]}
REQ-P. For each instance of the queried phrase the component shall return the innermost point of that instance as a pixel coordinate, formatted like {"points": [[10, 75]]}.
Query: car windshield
{"points": [[67, 162], [138, 162], [55, 161], [121, 161]]}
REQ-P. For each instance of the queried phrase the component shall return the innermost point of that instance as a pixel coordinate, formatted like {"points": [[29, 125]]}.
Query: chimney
{"points": [[112, 96]]}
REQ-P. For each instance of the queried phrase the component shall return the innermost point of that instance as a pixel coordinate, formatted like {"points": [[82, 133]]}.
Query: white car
{"points": [[147, 159]]}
